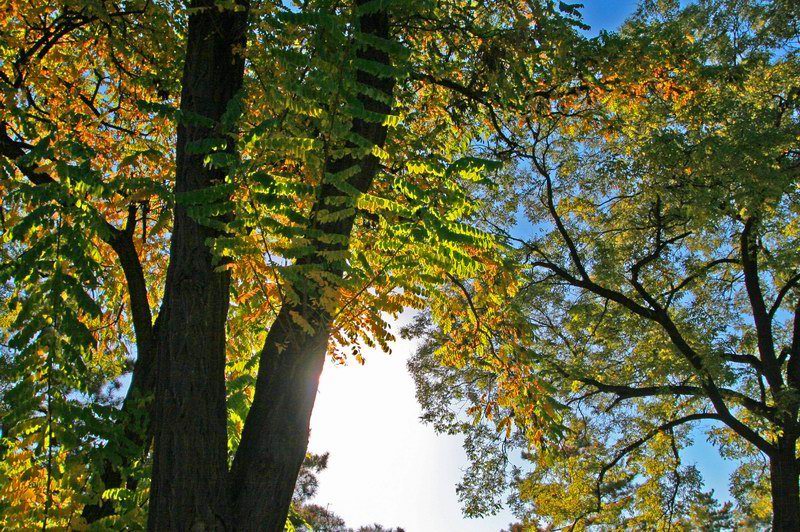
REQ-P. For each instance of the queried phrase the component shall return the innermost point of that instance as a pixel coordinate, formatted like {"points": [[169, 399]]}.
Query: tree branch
{"points": [[630, 392], [791, 283], [672, 292], [143, 375], [761, 317], [638, 443], [793, 365], [120, 240], [750, 360], [562, 230], [658, 315]]}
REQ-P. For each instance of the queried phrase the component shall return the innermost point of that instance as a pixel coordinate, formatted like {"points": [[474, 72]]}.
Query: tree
{"points": [[189, 402], [302, 209], [73, 106], [659, 276]]}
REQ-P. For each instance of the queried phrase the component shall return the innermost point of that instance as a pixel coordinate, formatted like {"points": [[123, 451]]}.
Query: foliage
{"points": [[658, 277], [73, 77], [90, 94]]}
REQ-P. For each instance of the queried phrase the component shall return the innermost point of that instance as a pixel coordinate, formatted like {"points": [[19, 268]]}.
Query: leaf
{"points": [[302, 322]]}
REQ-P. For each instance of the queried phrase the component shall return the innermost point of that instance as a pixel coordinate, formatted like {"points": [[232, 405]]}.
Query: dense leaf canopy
{"points": [[659, 267], [90, 104]]}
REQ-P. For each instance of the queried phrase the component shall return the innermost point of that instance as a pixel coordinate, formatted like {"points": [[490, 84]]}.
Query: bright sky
{"points": [[387, 467]]}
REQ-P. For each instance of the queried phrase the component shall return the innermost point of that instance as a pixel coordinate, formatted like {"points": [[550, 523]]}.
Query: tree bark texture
{"points": [[190, 439], [784, 476]]}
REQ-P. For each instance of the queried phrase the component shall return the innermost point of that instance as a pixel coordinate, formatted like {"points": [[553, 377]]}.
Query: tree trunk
{"points": [[190, 448], [784, 471], [275, 435]]}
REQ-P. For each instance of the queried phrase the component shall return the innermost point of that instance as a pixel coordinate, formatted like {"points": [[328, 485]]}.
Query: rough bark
{"points": [[190, 440], [275, 435], [784, 475], [276, 432]]}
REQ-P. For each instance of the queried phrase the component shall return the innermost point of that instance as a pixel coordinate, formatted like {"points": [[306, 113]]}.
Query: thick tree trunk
{"points": [[784, 476], [190, 448], [275, 435]]}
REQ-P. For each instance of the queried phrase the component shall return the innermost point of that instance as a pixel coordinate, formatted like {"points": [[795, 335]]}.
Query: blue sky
{"points": [[386, 466], [606, 15]]}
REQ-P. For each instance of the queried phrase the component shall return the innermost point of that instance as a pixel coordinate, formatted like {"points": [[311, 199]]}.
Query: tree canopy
{"points": [[202, 200], [199, 200], [658, 281]]}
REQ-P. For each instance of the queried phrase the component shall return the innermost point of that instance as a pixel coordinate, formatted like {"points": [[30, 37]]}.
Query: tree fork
{"points": [[145, 331]]}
